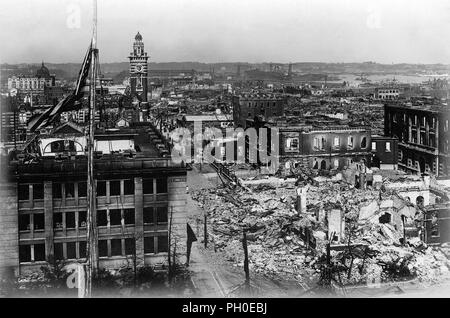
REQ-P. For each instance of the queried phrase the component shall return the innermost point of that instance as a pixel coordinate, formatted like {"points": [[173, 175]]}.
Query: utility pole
{"points": [[205, 233], [246, 268]]}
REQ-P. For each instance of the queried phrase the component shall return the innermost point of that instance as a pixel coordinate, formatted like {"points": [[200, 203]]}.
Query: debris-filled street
{"points": [[369, 251]]}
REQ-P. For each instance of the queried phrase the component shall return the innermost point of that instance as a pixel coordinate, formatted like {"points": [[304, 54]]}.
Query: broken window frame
{"points": [[388, 146], [350, 142]]}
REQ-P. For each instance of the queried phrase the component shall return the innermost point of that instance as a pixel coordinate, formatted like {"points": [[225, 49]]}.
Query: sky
{"points": [[255, 31]]}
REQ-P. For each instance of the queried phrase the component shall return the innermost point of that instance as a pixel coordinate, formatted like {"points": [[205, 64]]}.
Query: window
{"points": [[82, 219], [24, 253], [363, 142], [70, 220], [103, 248], [114, 187], [71, 250], [39, 252], [336, 163], [130, 246], [24, 222], [162, 244], [24, 192], [161, 185], [38, 191], [149, 244], [70, 190], [128, 187], [57, 221], [161, 215], [388, 146], [350, 142], [101, 188], [128, 215], [58, 251], [115, 217], [316, 143], [57, 190], [374, 145], [82, 189], [116, 247], [322, 143], [446, 126], [292, 144], [38, 220], [147, 185], [148, 216], [336, 142], [82, 249], [102, 218]]}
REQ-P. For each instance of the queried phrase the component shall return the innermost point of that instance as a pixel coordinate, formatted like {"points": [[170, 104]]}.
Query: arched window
{"points": [[420, 201]]}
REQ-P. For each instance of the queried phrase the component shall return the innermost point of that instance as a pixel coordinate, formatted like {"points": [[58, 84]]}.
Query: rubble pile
{"points": [[275, 231]]}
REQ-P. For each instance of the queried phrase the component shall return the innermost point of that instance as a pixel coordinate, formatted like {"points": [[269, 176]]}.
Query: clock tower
{"points": [[138, 70]]}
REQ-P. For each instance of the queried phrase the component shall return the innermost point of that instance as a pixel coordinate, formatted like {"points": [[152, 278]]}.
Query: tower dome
{"points": [[138, 37], [43, 72]]}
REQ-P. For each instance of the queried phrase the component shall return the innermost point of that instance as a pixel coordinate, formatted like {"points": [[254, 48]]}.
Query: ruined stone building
{"points": [[248, 106], [323, 147], [423, 137], [141, 198]]}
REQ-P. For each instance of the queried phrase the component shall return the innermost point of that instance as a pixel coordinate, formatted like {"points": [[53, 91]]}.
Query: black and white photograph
{"points": [[223, 153]]}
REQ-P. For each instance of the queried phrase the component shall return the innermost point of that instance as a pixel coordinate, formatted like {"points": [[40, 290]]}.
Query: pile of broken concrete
{"points": [[268, 213]]}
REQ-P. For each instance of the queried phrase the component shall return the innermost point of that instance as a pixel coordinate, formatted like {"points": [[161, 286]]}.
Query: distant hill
{"points": [[118, 71]]}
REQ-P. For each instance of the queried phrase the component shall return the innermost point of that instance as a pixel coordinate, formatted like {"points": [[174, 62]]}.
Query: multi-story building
{"points": [[387, 93], [247, 106], [31, 88], [324, 147], [140, 197], [422, 131]]}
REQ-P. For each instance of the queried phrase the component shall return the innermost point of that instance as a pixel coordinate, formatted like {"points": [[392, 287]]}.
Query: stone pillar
{"points": [[301, 200], [336, 224], [9, 227], [139, 219], [48, 215], [177, 212]]}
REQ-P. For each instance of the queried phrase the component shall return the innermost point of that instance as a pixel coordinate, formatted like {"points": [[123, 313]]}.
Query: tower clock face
{"points": [[139, 68]]}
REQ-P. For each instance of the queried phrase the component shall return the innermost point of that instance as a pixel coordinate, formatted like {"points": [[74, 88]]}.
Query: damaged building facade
{"points": [[247, 106], [323, 148], [422, 131], [140, 192]]}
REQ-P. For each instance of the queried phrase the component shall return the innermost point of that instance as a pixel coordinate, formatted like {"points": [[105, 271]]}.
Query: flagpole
{"points": [[92, 261]]}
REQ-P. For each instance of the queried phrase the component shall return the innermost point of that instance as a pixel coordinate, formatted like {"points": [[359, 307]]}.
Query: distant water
{"points": [[410, 79]]}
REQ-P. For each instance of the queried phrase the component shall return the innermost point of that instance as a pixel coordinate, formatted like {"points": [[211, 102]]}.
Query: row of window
{"points": [[414, 120], [260, 104], [111, 217], [70, 190], [320, 142], [387, 146], [106, 248]]}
